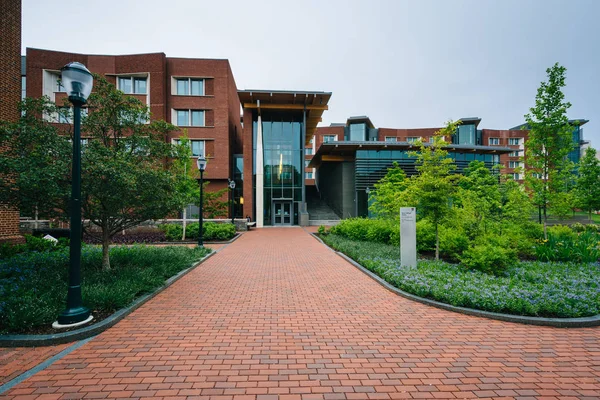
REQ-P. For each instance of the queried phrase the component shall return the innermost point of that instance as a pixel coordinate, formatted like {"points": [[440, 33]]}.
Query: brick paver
{"points": [[276, 315], [16, 360]]}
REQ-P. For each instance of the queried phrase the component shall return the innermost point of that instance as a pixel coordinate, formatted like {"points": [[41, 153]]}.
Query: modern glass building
{"points": [[279, 125]]}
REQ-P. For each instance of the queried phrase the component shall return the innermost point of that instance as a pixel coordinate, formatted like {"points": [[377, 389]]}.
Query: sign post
{"points": [[408, 237]]}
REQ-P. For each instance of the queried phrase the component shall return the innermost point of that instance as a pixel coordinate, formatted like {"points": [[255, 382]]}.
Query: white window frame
{"points": [[494, 141], [516, 176], [511, 164], [175, 119], [308, 175], [391, 139], [308, 151], [189, 79], [177, 141], [511, 140], [412, 139], [514, 153], [132, 78]]}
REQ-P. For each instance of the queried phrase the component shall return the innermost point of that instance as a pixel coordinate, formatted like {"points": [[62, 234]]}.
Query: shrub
{"points": [[583, 247], [372, 230], [214, 231], [173, 232], [561, 232], [488, 258], [453, 242], [322, 230], [425, 236]]}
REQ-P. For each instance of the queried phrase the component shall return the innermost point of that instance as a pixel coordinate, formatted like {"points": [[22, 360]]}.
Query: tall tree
{"points": [[587, 186], [126, 164], [434, 186], [549, 143], [481, 192]]}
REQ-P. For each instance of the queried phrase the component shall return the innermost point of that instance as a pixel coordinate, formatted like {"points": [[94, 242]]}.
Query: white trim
{"points": [[189, 110], [189, 78]]}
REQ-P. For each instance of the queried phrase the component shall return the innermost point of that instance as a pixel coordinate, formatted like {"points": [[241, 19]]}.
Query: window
{"points": [[198, 147], [329, 138], [514, 141], [308, 175], [431, 139], [308, 151], [513, 164], [358, 132], [306, 162], [515, 176], [412, 139], [514, 154], [65, 115], [133, 85], [189, 117], [391, 139], [494, 141], [466, 134], [190, 87]]}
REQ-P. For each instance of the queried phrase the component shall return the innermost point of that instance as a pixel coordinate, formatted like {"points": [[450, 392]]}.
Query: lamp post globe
{"points": [[201, 162], [77, 81]]}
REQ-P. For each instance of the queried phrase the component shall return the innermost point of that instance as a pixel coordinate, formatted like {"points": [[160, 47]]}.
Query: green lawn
{"points": [[541, 289]]}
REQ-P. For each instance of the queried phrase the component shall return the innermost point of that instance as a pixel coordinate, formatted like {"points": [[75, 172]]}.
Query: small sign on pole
{"points": [[408, 237]]}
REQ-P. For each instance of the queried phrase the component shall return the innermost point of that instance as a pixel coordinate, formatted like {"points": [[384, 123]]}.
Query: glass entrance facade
{"points": [[283, 166]]}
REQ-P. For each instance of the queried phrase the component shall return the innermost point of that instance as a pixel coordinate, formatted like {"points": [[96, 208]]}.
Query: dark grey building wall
{"points": [[336, 184]]}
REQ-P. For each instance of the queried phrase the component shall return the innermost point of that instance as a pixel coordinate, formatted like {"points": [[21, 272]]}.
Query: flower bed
{"points": [[33, 284], [564, 290]]}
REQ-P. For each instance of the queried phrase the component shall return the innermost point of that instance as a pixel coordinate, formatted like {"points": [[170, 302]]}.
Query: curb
{"points": [[584, 322], [185, 243], [95, 329]]}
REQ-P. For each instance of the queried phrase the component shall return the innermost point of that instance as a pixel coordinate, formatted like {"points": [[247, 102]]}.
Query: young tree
{"points": [[434, 186], [388, 195], [481, 192], [184, 169], [587, 186], [550, 141]]}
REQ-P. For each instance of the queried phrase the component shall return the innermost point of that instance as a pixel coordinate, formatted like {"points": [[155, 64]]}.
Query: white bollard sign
{"points": [[408, 237]]}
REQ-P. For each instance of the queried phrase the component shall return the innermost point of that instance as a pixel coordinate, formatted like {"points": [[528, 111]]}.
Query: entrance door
{"points": [[282, 213]]}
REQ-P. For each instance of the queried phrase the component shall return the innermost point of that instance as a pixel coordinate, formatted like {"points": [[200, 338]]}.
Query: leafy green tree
{"points": [[127, 175], [481, 192], [35, 161], [587, 186], [389, 193], [184, 169], [434, 186], [549, 143]]}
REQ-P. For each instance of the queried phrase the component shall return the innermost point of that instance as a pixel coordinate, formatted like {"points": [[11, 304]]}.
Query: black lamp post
{"points": [[232, 187], [201, 167], [78, 81]]}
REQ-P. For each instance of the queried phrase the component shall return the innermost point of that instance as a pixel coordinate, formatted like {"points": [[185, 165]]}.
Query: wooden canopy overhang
{"points": [[346, 151], [315, 103]]}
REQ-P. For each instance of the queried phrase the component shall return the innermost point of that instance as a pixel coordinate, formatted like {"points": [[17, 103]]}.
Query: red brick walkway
{"points": [[276, 314]]}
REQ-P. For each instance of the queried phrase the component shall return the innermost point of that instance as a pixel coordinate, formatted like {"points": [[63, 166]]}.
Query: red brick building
{"points": [[197, 95], [10, 94]]}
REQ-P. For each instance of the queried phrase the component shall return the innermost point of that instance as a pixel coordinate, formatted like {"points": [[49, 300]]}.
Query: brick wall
{"points": [[10, 94]]}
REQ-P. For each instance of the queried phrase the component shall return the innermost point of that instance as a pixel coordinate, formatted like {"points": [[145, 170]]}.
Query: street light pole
{"points": [[201, 167], [232, 187], [78, 81]]}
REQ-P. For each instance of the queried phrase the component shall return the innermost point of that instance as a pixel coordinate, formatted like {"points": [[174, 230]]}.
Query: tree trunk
{"points": [[437, 243], [184, 222], [105, 248]]}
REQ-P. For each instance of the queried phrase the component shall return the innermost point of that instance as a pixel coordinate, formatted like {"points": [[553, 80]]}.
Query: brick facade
{"points": [[222, 129], [10, 95]]}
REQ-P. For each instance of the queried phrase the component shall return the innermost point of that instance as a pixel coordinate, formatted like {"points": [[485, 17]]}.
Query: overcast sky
{"points": [[405, 64]]}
